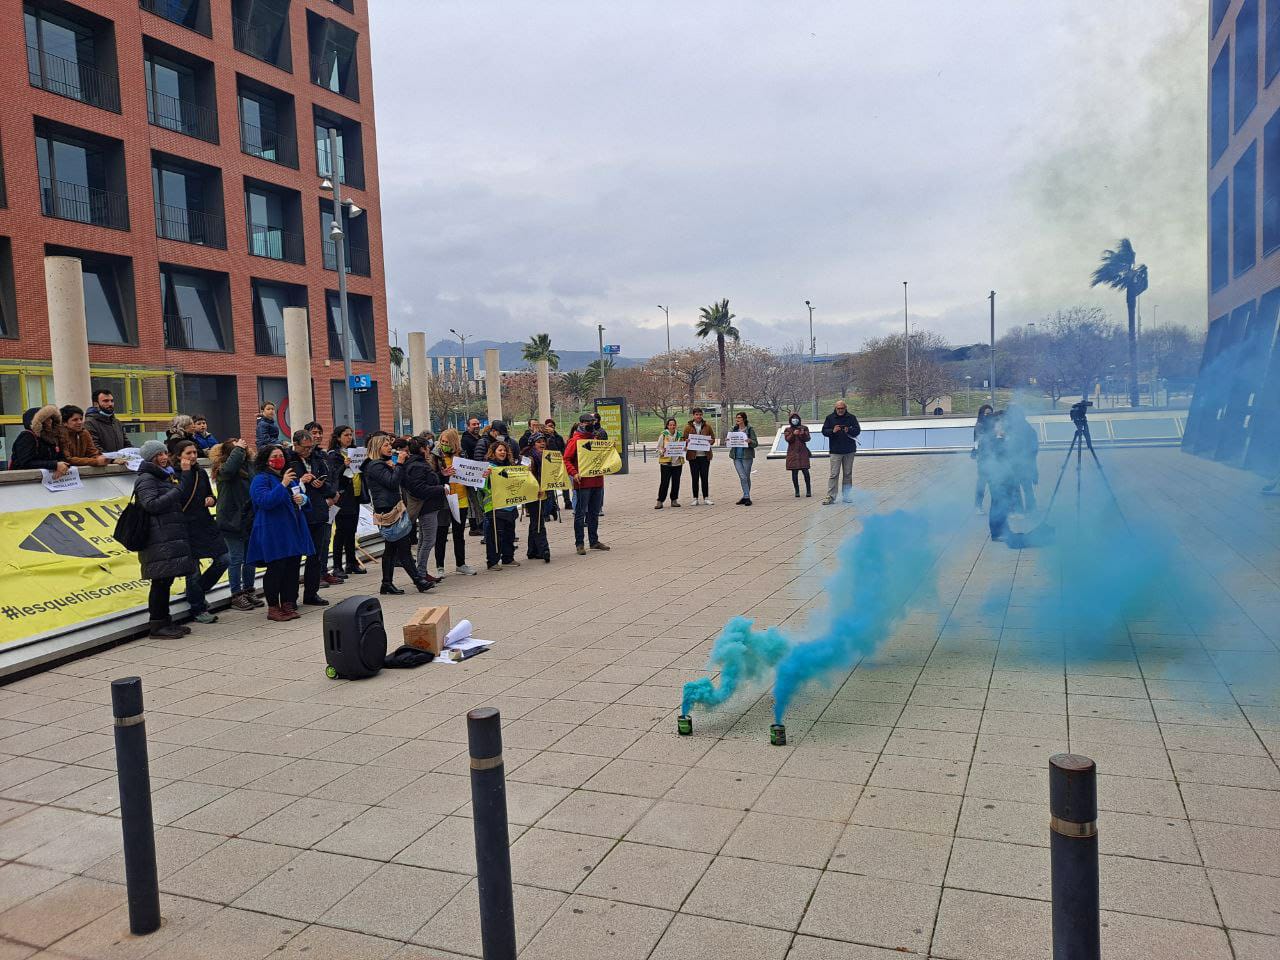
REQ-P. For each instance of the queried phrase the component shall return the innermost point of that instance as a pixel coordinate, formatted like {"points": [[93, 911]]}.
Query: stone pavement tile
{"points": [[1205, 714], [174, 850], [1229, 846], [952, 719], [1156, 798], [1027, 701], [57, 783], [438, 793], [425, 755], [1241, 741], [20, 882], [239, 769], [395, 901], [982, 926], [745, 756], [816, 799], [1194, 691], [926, 695], [862, 687], [821, 762], [1003, 820], [49, 916], [597, 741], [231, 933], [630, 717], [1129, 935], [725, 788], [584, 928], [35, 826], [658, 746], [652, 876], [1109, 708], [781, 839], [304, 822], [456, 926], [19, 770], [639, 778], [1125, 733], [862, 737], [867, 712], [1007, 869], [566, 711], [527, 803], [301, 777], [326, 943], [556, 860], [1242, 805], [1016, 751], [234, 813], [1007, 782], [175, 800], [892, 854], [94, 840], [227, 871], [686, 826], [816, 948], [1224, 770], [108, 937], [1170, 890], [597, 814], [359, 787], [907, 810], [9, 950], [751, 891], [1254, 946], [703, 938], [920, 773], [183, 762], [1042, 726], [1148, 838], [1117, 759], [377, 834], [872, 910], [449, 845], [307, 886], [942, 745]]}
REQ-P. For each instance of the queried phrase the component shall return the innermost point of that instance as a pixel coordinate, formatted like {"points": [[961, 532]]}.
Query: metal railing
{"points": [[267, 341], [182, 12], [191, 226], [70, 78], [322, 75], [268, 144], [183, 116], [76, 201], [177, 331], [260, 42], [275, 243], [357, 258]]}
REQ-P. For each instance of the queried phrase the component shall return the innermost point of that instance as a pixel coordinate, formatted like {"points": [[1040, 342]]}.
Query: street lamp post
{"points": [[463, 358], [967, 402], [667, 312], [600, 330], [992, 298], [813, 361], [333, 182], [906, 355]]}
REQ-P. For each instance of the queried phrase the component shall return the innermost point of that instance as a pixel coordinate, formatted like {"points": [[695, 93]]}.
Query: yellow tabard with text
{"points": [[554, 474], [597, 458], [512, 486]]}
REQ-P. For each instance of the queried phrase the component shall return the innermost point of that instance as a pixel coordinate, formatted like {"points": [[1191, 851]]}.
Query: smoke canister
{"points": [[778, 735], [684, 724]]}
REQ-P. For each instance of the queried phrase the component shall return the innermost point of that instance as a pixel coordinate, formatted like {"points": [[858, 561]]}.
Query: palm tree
{"points": [[539, 348], [599, 369], [1119, 272], [577, 385], [716, 319]]}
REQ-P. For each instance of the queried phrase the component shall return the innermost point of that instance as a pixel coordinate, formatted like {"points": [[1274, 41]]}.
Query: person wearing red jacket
{"points": [[590, 490]]}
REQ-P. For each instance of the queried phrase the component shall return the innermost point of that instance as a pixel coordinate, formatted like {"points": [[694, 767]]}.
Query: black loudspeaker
{"points": [[355, 640]]}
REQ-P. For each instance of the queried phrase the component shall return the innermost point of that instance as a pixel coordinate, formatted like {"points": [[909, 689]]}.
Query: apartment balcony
{"points": [[275, 243], [70, 78], [191, 226], [272, 145], [75, 201], [357, 258], [183, 116]]}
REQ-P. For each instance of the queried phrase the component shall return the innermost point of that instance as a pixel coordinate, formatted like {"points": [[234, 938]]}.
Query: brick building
{"points": [[178, 148]]}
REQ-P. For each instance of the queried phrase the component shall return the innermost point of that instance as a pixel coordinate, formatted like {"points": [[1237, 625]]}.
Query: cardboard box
{"points": [[427, 629]]}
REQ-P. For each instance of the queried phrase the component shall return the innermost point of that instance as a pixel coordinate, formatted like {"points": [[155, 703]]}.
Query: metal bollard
{"points": [[1073, 850], [493, 853], [136, 824]]}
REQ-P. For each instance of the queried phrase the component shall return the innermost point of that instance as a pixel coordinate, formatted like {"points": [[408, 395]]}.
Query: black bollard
{"points": [[135, 806], [1073, 850], [493, 852]]}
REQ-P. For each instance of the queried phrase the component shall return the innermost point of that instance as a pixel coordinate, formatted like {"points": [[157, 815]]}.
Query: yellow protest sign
{"points": [[611, 422], [597, 458], [554, 475], [512, 486]]}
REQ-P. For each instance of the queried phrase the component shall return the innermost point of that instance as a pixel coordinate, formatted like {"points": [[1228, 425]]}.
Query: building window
{"points": [[1246, 61], [266, 123], [269, 302], [1220, 8], [192, 14], [1271, 182], [273, 221], [108, 294], [77, 171], [260, 28], [180, 95], [1244, 197], [350, 150], [365, 406], [188, 199], [8, 291], [355, 240], [1273, 39], [72, 58], [1219, 234], [333, 56], [1220, 104], [360, 314], [196, 308]]}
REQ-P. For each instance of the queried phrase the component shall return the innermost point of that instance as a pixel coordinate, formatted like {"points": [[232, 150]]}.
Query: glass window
{"points": [[73, 180], [1219, 237], [333, 56], [192, 313], [323, 164], [260, 28], [1244, 236], [1219, 11], [360, 313], [1273, 39], [269, 301], [103, 304], [1220, 103], [1271, 181], [171, 97], [1246, 61], [259, 128]]}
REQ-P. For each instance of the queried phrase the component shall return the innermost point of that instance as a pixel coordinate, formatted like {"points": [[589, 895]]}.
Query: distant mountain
{"points": [[511, 354]]}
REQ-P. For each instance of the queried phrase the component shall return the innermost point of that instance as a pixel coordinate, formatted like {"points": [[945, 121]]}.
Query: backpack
{"points": [[131, 530]]}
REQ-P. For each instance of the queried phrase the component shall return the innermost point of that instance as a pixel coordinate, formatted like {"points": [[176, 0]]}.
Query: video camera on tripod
{"points": [[1079, 414]]}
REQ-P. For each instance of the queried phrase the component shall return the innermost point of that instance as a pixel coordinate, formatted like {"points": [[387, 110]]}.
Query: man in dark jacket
{"points": [[841, 428], [312, 468], [100, 420], [470, 437], [38, 447], [496, 432], [557, 443], [424, 496], [586, 513]]}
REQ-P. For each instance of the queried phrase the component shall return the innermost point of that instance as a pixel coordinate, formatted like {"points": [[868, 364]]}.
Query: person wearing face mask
{"points": [[669, 468], [202, 531], [351, 493], [744, 458], [841, 429], [499, 524], [797, 436], [280, 538], [470, 437], [312, 467], [230, 470], [449, 446], [557, 443], [699, 460], [167, 554], [384, 472]]}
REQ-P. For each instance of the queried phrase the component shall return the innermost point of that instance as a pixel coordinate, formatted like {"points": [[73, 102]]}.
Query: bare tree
{"points": [[691, 368], [879, 368], [1082, 344]]}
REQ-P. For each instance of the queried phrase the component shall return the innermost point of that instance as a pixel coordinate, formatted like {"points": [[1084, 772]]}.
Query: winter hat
{"points": [[151, 448]]}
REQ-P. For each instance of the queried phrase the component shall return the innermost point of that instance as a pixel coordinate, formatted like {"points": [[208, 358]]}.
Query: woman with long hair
{"points": [[798, 459], [500, 524], [448, 447], [539, 548], [230, 471], [744, 458], [424, 490], [279, 538], [384, 473], [202, 530], [669, 468], [983, 449], [167, 554], [351, 493]]}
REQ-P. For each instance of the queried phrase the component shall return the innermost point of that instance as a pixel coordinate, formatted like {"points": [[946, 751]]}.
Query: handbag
{"points": [[394, 524], [131, 530]]}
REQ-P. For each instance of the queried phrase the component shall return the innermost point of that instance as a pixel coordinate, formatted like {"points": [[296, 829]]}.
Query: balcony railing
{"points": [[75, 201], [258, 41], [275, 243], [267, 341], [322, 75], [70, 78], [191, 226], [357, 258], [268, 144], [182, 116], [177, 331], [185, 13]]}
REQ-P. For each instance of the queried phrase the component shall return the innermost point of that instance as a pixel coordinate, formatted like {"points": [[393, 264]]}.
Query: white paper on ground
{"points": [[461, 631]]}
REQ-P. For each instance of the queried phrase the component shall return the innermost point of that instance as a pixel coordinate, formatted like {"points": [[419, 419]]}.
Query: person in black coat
{"points": [[351, 493], [39, 446], [841, 428], [496, 432], [471, 437], [424, 492], [1002, 476], [266, 430], [202, 530], [167, 554], [984, 435], [231, 473], [312, 468], [384, 475], [557, 443]]}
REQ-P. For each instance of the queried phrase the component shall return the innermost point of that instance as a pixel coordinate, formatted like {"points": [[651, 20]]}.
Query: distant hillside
{"points": [[512, 354]]}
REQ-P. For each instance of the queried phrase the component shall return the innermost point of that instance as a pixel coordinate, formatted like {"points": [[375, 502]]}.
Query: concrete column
{"points": [[297, 363], [68, 331], [419, 383], [493, 384], [544, 389]]}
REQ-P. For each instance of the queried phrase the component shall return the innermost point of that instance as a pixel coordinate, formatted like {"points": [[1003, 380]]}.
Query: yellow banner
{"points": [[611, 421], [597, 458], [512, 486], [554, 475]]}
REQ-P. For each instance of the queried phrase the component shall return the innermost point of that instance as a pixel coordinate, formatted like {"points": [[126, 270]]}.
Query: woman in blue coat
{"points": [[280, 538]]}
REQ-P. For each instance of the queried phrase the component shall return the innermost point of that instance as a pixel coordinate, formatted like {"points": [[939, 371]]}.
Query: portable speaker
{"points": [[355, 640]]}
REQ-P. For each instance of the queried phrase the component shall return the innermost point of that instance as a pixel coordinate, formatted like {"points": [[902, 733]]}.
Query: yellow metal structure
{"points": [[142, 394]]}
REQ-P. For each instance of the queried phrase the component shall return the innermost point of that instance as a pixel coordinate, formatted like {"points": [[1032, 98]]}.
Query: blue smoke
{"points": [[742, 655]]}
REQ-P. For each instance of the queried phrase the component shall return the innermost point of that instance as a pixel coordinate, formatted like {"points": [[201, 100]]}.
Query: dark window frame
{"points": [[359, 308], [295, 294], [1246, 74], [219, 284], [1220, 236], [1244, 212], [1220, 104]]}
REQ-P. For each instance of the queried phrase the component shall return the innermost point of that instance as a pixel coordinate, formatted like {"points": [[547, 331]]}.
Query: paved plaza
{"points": [[306, 819]]}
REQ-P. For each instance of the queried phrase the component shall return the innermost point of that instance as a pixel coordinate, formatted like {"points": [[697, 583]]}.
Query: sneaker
{"points": [[466, 570], [599, 546], [204, 616], [440, 573], [708, 502], [675, 503], [511, 563], [697, 502], [659, 506], [241, 602], [828, 501], [165, 631], [582, 551], [495, 567]]}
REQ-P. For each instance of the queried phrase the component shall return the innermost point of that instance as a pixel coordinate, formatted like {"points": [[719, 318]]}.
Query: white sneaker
{"points": [[709, 502], [466, 571], [440, 574], [697, 502]]}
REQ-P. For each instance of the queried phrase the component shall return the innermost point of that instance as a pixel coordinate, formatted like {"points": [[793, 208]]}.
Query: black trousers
{"points": [[344, 542], [538, 547], [669, 474], [280, 582], [459, 529], [700, 469], [315, 560], [795, 481], [158, 599], [398, 554]]}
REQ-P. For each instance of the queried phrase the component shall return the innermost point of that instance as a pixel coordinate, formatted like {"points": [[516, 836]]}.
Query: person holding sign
{"points": [[499, 521], [351, 493], [698, 453], [589, 489], [670, 462], [539, 548], [742, 451], [447, 450]]}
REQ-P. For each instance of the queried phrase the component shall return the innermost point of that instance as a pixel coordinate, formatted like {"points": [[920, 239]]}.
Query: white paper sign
{"points": [[357, 456], [674, 448], [131, 456], [697, 443], [469, 473], [365, 527], [453, 507], [68, 481], [526, 462], [736, 438]]}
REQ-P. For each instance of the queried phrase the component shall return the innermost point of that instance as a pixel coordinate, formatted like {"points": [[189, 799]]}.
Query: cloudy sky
{"points": [[550, 165]]}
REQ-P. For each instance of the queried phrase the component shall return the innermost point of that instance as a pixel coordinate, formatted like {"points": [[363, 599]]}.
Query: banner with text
{"points": [[554, 475], [512, 486], [596, 458]]}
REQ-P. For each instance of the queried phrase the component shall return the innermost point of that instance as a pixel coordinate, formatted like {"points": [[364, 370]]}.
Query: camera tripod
{"points": [[1082, 440]]}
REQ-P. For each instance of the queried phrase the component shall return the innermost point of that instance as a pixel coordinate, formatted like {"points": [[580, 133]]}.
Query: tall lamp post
{"points": [[813, 361], [992, 297], [600, 330], [667, 312], [463, 379], [906, 355], [333, 183]]}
